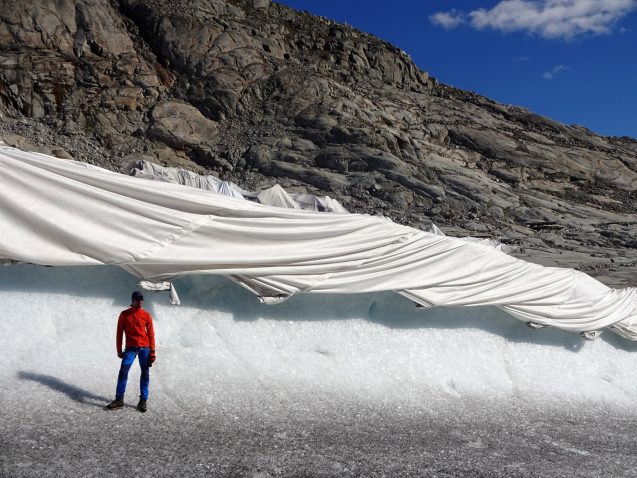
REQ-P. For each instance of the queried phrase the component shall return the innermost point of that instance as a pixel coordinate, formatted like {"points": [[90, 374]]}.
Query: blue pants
{"points": [[127, 361]]}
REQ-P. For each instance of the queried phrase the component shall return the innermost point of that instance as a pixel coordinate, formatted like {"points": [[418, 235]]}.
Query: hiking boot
{"points": [[115, 404], [141, 406]]}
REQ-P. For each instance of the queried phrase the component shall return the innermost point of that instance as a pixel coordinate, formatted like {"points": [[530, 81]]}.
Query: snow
{"points": [[58, 324]]}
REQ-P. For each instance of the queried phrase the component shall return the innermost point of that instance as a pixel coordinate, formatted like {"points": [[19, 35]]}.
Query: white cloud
{"points": [[555, 72], [447, 20], [546, 18]]}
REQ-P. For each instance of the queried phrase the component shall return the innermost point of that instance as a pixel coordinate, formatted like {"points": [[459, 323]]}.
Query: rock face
{"points": [[258, 93]]}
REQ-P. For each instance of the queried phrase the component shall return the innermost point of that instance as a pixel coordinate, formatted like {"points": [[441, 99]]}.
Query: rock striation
{"points": [[258, 93]]}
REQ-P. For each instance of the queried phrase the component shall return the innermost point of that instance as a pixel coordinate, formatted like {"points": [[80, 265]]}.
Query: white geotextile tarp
{"points": [[274, 196], [155, 172], [58, 212], [315, 203], [277, 196]]}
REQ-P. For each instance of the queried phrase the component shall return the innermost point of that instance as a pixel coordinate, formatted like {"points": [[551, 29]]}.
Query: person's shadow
{"points": [[74, 393]]}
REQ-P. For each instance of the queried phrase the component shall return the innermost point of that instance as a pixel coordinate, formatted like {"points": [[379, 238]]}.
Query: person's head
{"points": [[137, 298]]}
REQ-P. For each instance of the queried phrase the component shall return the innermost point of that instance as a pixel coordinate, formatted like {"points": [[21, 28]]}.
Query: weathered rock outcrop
{"points": [[257, 92]]}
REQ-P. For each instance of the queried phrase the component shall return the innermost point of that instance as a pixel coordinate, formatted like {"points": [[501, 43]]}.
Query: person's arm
{"points": [[150, 330], [119, 334]]}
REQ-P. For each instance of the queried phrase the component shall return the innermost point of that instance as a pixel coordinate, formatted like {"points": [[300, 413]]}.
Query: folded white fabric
{"points": [[58, 212]]}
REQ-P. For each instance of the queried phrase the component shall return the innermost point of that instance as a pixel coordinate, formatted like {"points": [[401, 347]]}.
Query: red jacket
{"points": [[138, 326]]}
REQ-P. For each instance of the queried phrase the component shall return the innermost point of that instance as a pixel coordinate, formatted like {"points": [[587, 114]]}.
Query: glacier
{"points": [[356, 384], [376, 346], [330, 385]]}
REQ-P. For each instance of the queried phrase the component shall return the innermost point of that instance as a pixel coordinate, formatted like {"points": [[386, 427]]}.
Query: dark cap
{"points": [[137, 295]]}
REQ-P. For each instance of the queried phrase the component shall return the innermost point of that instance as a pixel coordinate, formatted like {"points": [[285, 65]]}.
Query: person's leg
{"points": [[122, 378], [144, 379]]}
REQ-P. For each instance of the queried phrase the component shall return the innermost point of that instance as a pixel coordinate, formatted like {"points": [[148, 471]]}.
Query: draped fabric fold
{"points": [[58, 212]]}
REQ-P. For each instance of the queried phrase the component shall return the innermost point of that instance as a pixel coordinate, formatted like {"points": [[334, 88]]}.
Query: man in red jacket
{"points": [[137, 324]]}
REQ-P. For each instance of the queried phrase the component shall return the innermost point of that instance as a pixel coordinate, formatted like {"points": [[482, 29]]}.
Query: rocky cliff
{"points": [[258, 93]]}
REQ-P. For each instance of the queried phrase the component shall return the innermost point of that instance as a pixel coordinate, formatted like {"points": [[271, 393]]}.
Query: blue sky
{"points": [[572, 60]]}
